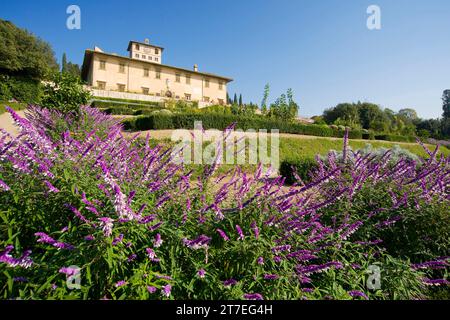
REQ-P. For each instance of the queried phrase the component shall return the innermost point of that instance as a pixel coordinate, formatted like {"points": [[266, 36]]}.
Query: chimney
{"points": [[195, 67], [147, 41]]}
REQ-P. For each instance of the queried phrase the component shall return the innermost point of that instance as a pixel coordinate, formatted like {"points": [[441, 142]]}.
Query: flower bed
{"points": [[79, 200]]}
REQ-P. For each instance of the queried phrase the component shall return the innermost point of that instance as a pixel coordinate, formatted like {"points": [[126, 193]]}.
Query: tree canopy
{"points": [[24, 54]]}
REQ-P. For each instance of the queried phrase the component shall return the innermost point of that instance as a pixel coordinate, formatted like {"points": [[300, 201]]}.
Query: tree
{"points": [[64, 63], [264, 100], [228, 99], [23, 54], [446, 104], [235, 101], [409, 114], [240, 100], [345, 113], [65, 93], [69, 67], [292, 105]]}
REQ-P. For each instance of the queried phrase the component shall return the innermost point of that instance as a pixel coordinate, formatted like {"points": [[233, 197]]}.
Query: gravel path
{"points": [[6, 122]]}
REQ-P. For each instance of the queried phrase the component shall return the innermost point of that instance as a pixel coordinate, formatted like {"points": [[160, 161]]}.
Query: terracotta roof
{"points": [[89, 53]]}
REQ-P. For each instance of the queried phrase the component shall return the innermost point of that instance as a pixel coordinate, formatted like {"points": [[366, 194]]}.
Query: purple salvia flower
{"points": [[240, 233], [151, 289], [357, 293], [51, 187], [223, 234], [200, 243], [279, 249], [253, 296], [69, 271], [4, 186], [152, 255], [166, 290], [120, 204], [120, 283], [45, 238], [157, 242], [20, 279], [201, 273], [117, 240], [229, 282], [106, 224], [435, 282], [255, 229], [260, 260], [270, 277], [24, 261]]}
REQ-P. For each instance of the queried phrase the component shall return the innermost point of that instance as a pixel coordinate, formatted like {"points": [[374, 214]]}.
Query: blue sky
{"points": [[321, 49]]}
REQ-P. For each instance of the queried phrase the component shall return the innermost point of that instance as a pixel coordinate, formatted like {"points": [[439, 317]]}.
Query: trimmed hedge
{"points": [[134, 106], [222, 121], [393, 137], [303, 167]]}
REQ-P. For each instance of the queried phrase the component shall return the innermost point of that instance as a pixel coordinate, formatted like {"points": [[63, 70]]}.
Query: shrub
{"points": [[392, 137], [22, 89], [369, 135], [120, 110], [65, 93]]}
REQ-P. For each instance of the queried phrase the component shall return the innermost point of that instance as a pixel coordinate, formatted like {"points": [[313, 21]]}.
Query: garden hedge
{"points": [[221, 121]]}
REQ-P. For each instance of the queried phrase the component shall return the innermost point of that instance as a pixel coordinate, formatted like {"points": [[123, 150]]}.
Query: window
{"points": [[220, 101], [144, 56], [156, 51], [177, 77], [187, 96], [121, 87], [206, 83], [206, 99], [138, 47], [146, 72], [156, 59], [137, 55], [102, 65], [144, 90], [122, 67], [101, 85], [177, 97], [158, 74], [220, 85], [150, 58], [188, 79], [158, 94]]}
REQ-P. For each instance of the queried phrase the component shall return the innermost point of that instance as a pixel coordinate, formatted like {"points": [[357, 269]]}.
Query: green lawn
{"points": [[297, 148], [293, 148]]}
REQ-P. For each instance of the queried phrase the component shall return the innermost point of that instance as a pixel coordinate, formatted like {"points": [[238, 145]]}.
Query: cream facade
{"points": [[142, 73]]}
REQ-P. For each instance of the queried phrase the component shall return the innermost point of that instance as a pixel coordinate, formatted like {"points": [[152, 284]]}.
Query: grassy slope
{"points": [[295, 148], [292, 148]]}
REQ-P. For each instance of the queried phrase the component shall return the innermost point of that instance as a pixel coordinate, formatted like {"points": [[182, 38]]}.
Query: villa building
{"points": [[143, 76]]}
